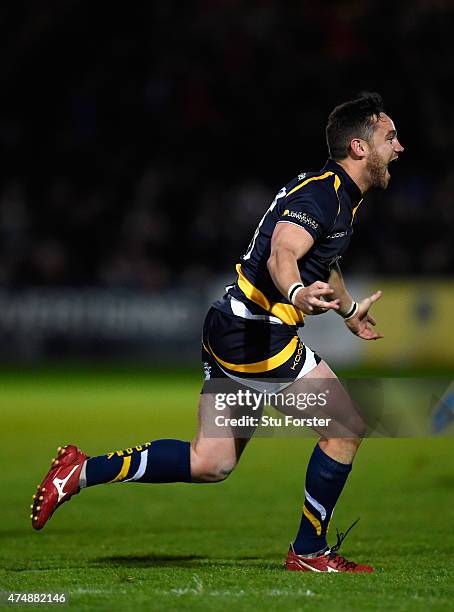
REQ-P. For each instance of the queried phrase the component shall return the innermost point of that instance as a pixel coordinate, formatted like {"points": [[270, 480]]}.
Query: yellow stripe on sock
{"points": [[124, 470], [314, 520]]}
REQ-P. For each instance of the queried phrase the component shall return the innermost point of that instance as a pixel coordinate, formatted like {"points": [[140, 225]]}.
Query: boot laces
{"points": [[340, 561]]}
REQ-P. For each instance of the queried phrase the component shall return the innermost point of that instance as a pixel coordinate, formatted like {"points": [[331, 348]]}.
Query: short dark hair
{"points": [[353, 119]]}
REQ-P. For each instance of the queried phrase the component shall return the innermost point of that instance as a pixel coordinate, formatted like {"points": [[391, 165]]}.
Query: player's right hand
{"points": [[309, 299]]}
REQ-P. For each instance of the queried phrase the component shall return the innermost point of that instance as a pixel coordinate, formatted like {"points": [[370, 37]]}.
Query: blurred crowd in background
{"points": [[142, 143]]}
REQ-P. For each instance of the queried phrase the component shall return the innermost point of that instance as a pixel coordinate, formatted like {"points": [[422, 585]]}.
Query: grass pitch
{"points": [[210, 547]]}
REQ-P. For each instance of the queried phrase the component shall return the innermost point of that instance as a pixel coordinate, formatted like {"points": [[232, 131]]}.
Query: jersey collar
{"points": [[349, 184]]}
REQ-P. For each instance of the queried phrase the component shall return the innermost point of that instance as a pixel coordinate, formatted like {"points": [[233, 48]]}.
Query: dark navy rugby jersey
{"points": [[324, 203]]}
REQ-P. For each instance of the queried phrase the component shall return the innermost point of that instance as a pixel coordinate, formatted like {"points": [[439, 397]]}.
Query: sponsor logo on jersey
{"points": [[302, 217], [337, 235]]}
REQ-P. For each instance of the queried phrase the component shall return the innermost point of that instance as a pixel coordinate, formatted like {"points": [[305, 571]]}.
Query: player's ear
{"points": [[358, 148]]}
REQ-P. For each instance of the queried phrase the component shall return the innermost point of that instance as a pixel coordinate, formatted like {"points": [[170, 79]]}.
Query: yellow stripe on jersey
{"points": [[124, 470], [313, 520], [337, 183], [262, 366], [285, 312], [354, 211], [315, 178]]}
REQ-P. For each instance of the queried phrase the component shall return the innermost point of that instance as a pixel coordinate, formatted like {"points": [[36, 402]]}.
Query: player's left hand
{"points": [[360, 324]]}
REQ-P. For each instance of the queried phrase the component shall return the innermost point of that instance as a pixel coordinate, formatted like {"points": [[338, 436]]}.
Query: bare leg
{"points": [[213, 458], [351, 425], [340, 449]]}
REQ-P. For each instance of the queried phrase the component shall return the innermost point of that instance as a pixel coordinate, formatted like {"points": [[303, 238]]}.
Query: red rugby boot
{"points": [[329, 561], [59, 485]]}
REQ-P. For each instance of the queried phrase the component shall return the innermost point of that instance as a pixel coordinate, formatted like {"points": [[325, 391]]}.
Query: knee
{"points": [[357, 427], [210, 469], [341, 449]]}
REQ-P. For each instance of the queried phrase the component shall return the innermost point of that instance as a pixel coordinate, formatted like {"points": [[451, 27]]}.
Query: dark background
{"points": [[142, 142]]}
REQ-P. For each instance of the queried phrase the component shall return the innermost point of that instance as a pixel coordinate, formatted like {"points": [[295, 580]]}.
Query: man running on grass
{"points": [[290, 269]]}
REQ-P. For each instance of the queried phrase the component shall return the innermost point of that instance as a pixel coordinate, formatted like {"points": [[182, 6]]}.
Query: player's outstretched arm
{"points": [[288, 244], [356, 316]]}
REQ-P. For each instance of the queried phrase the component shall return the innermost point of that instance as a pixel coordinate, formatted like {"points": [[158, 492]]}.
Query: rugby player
{"points": [[290, 269]]}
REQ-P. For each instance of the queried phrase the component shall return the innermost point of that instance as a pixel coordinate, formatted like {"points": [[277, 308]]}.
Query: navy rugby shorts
{"points": [[253, 351]]}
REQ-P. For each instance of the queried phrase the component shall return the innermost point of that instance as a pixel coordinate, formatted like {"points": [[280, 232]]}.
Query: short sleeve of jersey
{"points": [[313, 209]]}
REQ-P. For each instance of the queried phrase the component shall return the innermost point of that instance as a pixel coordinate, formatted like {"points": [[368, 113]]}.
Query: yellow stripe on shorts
{"points": [[261, 366]]}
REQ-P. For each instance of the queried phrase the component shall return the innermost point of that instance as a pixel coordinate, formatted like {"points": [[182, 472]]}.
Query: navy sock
{"points": [[158, 461], [325, 479]]}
